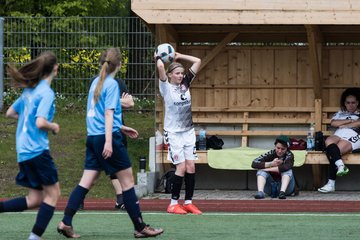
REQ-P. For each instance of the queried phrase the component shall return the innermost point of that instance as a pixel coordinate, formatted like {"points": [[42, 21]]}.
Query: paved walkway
{"points": [[248, 195], [243, 201]]}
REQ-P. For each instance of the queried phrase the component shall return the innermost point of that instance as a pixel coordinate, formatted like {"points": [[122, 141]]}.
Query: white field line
{"points": [[206, 214]]}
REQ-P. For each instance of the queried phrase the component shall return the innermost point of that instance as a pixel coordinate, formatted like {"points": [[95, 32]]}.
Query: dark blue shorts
{"points": [[38, 171], [119, 159]]}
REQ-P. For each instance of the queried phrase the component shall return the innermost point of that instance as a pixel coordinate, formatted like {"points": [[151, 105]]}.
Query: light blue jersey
{"points": [[109, 99], [33, 103]]}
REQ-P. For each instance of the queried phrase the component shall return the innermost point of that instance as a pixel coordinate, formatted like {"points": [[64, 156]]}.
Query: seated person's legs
{"points": [[264, 180], [287, 182]]}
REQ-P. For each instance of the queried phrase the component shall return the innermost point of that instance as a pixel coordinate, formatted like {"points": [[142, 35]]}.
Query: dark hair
{"points": [[109, 61], [284, 140], [349, 92], [31, 73]]}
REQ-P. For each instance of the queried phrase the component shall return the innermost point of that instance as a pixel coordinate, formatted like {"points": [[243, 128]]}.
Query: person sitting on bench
{"points": [[275, 170]]}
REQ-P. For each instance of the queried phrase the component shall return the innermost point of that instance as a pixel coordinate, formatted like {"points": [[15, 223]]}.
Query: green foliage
{"points": [[64, 8], [68, 147], [144, 104], [10, 95]]}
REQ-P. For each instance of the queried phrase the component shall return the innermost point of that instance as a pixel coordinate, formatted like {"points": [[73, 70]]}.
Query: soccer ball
{"points": [[166, 52]]}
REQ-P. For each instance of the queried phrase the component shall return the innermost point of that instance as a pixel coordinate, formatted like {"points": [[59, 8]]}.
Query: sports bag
{"points": [[166, 181], [214, 142], [319, 141]]}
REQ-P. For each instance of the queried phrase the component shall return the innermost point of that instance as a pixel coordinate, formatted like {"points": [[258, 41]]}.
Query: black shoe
{"points": [[259, 195], [81, 207], [282, 195], [120, 206]]}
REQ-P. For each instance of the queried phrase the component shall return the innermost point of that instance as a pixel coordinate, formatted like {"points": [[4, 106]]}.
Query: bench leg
{"points": [[316, 171]]}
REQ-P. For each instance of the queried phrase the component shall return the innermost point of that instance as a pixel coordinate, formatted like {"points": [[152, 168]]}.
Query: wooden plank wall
{"points": [[270, 77]]}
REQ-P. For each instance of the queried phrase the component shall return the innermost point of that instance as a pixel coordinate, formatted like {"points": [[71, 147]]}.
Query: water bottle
{"points": [[202, 139], [310, 139]]}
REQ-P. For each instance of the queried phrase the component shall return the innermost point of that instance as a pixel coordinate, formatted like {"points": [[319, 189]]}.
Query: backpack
{"points": [[319, 141], [297, 144], [166, 181], [214, 142]]}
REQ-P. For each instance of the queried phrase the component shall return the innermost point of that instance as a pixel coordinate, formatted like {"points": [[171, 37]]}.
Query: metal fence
{"points": [[78, 42]]}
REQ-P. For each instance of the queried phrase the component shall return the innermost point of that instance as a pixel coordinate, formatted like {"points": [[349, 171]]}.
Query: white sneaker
{"points": [[327, 188]]}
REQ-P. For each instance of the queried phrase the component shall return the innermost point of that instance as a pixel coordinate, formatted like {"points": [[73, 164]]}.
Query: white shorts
{"points": [[181, 146], [349, 135]]}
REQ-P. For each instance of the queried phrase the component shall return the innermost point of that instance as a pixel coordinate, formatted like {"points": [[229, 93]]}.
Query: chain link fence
{"points": [[78, 42]]}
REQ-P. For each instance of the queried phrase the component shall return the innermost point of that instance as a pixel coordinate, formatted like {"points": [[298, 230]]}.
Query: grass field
{"points": [[68, 150], [222, 226]]}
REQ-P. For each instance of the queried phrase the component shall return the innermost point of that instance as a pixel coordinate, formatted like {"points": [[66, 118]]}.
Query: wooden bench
{"points": [[248, 122]]}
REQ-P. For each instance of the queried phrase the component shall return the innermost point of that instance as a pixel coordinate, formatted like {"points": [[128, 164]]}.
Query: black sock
{"points": [[76, 198], [189, 185], [133, 209], [333, 154], [14, 205], [119, 199], [176, 187], [43, 218]]}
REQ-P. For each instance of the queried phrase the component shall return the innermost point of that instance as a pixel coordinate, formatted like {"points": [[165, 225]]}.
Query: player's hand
{"points": [[130, 132], [277, 162], [55, 128], [107, 152]]}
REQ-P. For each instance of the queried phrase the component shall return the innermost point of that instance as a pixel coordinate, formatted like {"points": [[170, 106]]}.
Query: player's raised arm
{"points": [[196, 62]]}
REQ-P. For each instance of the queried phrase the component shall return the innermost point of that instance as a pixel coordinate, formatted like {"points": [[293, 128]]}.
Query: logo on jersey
{"points": [[183, 97], [354, 139]]}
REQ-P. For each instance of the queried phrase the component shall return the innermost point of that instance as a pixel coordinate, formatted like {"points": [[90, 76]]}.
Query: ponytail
{"points": [[109, 60]]}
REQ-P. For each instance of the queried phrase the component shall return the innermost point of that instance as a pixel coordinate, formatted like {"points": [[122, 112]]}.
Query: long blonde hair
{"points": [[31, 73], [109, 61]]}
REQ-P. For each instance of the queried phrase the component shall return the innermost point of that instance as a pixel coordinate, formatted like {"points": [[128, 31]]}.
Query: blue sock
{"points": [[133, 209], [14, 205], [43, 218], [76, 198]]}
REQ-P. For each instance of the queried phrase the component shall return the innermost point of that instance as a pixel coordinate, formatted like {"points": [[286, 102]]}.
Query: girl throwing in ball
{"points": [[178, 128]]}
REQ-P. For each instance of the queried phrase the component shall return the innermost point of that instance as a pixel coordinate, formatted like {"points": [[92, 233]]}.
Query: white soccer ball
{"points": [[166, 52]]}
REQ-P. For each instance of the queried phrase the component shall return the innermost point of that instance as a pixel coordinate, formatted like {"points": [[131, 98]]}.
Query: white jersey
{"points": [[177, 101], [342, 115]]}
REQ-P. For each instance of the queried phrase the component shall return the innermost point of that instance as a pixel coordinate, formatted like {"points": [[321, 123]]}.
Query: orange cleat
{"points": [[191, 208], [176, 209]]}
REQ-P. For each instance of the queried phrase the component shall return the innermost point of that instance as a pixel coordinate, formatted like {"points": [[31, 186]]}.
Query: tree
{"points": [[65, 8]]}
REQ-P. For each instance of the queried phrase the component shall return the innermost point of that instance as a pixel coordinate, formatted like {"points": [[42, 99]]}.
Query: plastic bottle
{"points": [[310, 139], [202, 139]]}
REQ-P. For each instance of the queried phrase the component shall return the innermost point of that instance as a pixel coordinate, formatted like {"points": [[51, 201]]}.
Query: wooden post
{"points": [[245, 127], [315, 49]]}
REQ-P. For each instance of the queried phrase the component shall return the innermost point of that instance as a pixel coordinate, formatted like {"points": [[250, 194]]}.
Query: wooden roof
{"points": [[265, 33], [294, 12]]}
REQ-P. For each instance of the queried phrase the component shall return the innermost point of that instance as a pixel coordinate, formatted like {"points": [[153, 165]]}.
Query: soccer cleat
{"points": [[176, 209], [259, 195], [148, 232], [191, 208], [342, 171], [82, 206], [120, 206], [67, 231], [327, 188], [282, 195]]}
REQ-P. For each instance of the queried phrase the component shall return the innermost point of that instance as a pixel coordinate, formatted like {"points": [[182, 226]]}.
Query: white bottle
{"points": [[310, 143], [202, 139]]}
